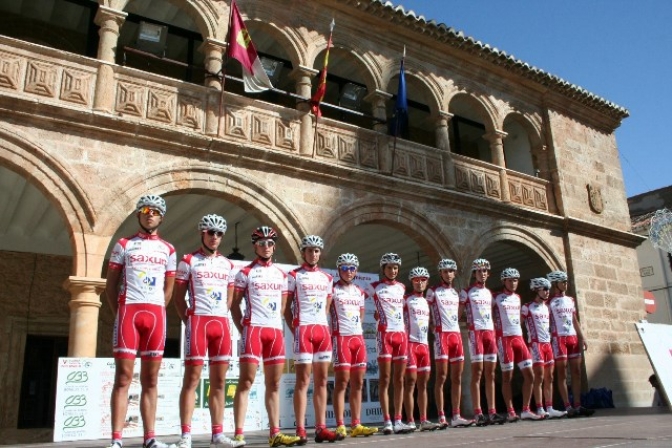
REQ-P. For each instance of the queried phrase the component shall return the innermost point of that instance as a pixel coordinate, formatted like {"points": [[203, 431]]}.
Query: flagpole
{"points": [[222, 70], [396, 123], [317, 116]]}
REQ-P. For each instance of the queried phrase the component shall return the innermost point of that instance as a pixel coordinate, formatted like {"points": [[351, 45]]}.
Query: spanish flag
{"points": [[322, 86]]}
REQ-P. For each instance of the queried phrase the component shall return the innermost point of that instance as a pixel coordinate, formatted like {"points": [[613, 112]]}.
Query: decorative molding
{"points": [[10, 71], [130, 99], [41, 78]]}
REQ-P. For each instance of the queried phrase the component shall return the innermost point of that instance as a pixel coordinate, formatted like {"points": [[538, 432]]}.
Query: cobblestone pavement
{"points": [[636, 427]]}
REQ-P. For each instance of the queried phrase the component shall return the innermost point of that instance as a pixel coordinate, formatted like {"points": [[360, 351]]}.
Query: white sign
{"points": [[657, 340]]}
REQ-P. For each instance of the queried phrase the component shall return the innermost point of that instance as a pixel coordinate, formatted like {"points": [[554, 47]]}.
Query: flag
{"points": [[322, 86], [241, 48], [399, 124]]}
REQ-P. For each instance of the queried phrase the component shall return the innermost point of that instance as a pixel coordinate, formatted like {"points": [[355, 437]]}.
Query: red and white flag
{"points": [[322, 86], [241, 48]]}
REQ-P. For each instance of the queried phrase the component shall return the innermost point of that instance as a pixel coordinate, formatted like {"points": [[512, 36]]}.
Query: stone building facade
{"points": [[85, 130]]}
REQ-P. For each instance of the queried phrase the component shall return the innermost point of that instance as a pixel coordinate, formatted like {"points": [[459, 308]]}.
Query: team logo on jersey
{"points": [[215, 296], [147, 280]]}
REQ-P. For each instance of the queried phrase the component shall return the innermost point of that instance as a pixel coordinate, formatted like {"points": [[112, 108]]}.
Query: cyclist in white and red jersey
{"points": [[567, 341], [206, 274], [418, 365], [263, 287], [444, 304], [477, 301], [537, 321], [140, 278], [391, 340], [310, 292], [347, 313], [511, 345]]}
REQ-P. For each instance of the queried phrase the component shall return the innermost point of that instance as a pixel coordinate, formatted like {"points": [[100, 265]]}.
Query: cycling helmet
{"points": [[447, 263], [540, 282], [418, 272], [480, 263], [153, 201], [390, 258], [212, 222], [311, 241], [509, 273], [557, 276], [347, 259], [264, 233]]}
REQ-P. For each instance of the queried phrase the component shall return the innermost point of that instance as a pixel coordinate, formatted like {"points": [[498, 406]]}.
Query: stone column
{"points": [[214, 52], [497, 149], [109, 20], [378, 98], [443, 143], [84, 312], [303, 76]]}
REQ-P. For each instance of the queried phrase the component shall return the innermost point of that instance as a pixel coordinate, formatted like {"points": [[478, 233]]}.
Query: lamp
{"points": [[236, 255], [152, 38], [351, 96], [272, 67]]}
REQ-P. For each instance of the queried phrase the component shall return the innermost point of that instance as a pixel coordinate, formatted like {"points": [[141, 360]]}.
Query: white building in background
{"points": [[655, 265]]}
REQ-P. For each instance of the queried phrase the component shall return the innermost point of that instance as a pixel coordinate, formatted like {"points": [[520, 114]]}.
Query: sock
{"points": [[319, 428], [217, 430], [339, 422], [354, 422], [274, 431], [511, 411], [386, 418], [116, 436], [300, 431], [549, 405], [149, 436], [423, 418], [478, 411], [186, 430], [492, 411], [526, 409], [456, 413], [239, 432]]}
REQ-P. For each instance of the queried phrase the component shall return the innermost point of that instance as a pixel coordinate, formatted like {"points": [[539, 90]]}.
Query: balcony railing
{"points": [[70, 81]]}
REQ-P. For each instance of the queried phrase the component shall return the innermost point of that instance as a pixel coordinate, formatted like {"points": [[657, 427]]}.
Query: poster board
{"points": [[657, 340]]}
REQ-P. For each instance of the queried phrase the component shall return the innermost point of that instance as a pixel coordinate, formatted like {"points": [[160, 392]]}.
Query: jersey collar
{"points": [[147, 236]]}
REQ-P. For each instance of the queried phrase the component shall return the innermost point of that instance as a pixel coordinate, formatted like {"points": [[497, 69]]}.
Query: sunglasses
{"points": [[348, 268], [265, 243], [419, 279], [214, 232], [150, 211]]}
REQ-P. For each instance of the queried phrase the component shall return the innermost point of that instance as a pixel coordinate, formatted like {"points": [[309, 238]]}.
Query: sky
{"points": [[620, 50]]}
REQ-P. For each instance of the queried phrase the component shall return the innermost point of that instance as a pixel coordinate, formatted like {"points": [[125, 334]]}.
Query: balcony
{"points": [[52, 77]]}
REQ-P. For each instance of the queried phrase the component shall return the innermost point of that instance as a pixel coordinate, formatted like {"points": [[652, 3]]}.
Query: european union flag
{"points": [[399, 123]]}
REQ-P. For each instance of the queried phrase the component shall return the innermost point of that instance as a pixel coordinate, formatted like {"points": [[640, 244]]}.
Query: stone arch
{"points": [[522, 236], [363, 65], [409, 221], [202, 177], [480, 107], [289, 40], [52, 178]]}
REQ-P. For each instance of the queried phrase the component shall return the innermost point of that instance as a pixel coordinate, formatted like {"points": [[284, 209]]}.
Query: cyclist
{"points": [[347, 313], [140, 279], [206, 274], [263, 287]]}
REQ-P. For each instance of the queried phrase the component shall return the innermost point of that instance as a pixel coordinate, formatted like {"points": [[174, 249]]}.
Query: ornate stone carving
{"points": [[236, 122], [41, 78], [461, 178], [326, 145], [434, 170], [416, 166], [130, 99], [528, 195], [492, 185], [477, 181], [595, 198], [10, 71], [540, 199], [262, 129], [190, 112], [347, 150], [285, 134], [76, 87], [368, 153], [400, 162], [515, 194], [160, 106]]}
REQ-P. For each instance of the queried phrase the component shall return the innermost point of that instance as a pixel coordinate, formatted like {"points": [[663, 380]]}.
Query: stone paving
{"points": [[635, 427]]}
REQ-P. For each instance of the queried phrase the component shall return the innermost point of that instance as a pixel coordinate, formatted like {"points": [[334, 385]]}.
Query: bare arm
{"points": [[168, 288], [287, 311], [236, 313], [179, 298], [112, 288], [579, 332]]}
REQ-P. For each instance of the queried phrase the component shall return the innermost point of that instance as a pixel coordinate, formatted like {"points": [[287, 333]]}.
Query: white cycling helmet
{"points": [[418, 272], [311, 241], [390, 258], [509, 273], [537, 283], [153, 201], [447, 263], [212, 222], [348, 260], [557, 276], [480, 263]]}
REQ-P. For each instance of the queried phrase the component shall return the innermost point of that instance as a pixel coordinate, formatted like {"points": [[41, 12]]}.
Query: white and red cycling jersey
{"points": [[388, 296], [209, 278], [537, 321], [347, 305], [263, 286], [477, 300], [562, 312], [506, 314], [145, 261], [444, 304], [416, 318], [310, 290]]}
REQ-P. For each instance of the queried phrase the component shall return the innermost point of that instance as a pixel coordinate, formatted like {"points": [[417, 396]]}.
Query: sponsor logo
{"points": [[76, 400], [216, 275], [76, 421], [79, 376], [374, 412], [139, 258]]}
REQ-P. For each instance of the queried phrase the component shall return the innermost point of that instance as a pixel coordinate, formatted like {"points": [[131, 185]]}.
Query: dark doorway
{"points": [[38, 383]]}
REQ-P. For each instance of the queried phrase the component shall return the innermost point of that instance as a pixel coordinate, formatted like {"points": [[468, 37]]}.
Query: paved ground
{"points": [[636, 427]]}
